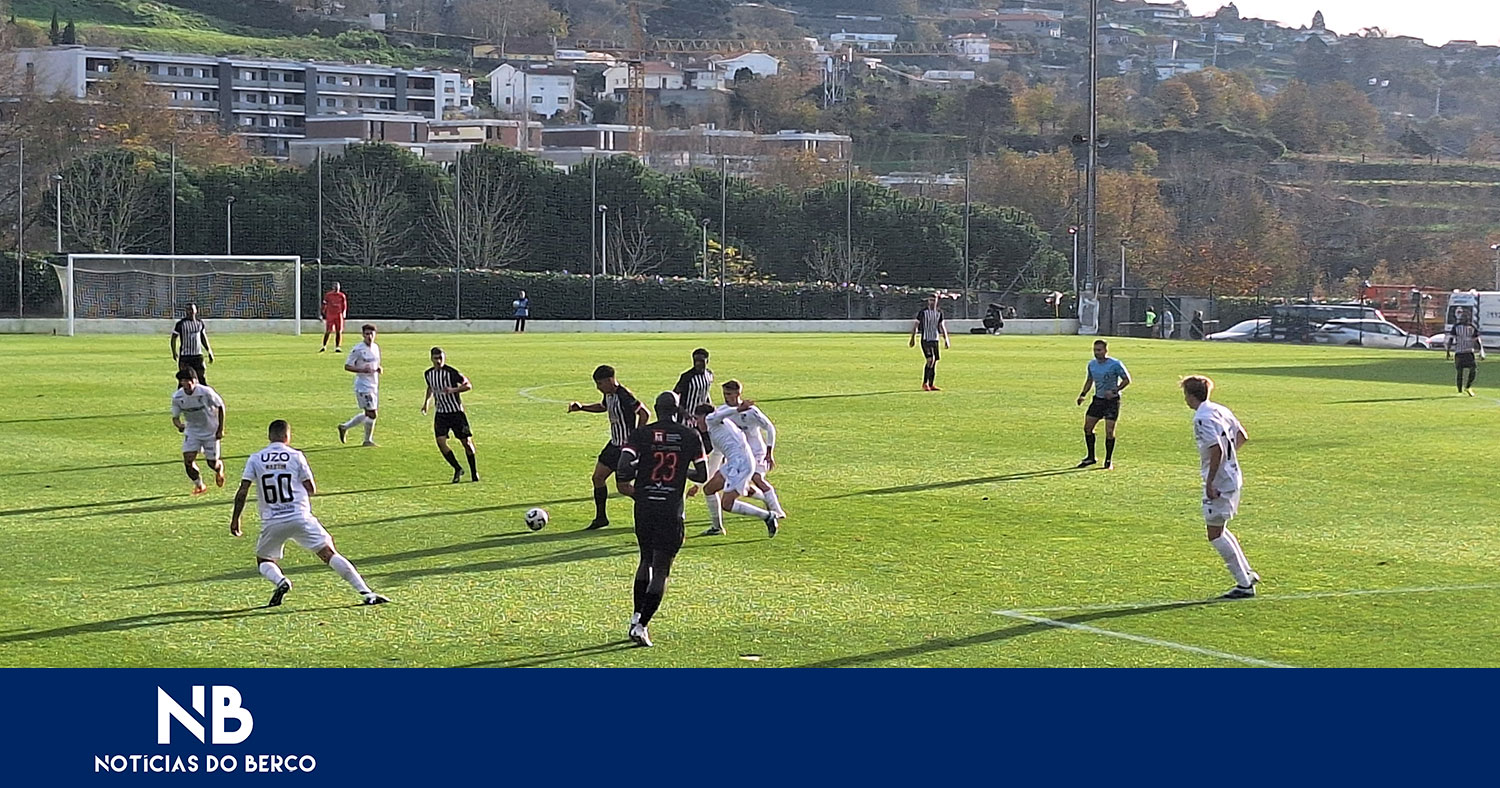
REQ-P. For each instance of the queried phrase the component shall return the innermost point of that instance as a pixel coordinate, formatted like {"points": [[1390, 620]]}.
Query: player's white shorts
{"points": [[1222, 509], [736, 472], [308, 532], [204, 444], [367, 400], [761, 466]]}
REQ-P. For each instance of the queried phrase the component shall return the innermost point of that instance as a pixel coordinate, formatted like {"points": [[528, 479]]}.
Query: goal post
{"points": [[103, 289]]}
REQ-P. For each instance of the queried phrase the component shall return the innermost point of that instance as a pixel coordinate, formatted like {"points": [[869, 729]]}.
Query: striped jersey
{"points": [[931, 322], [439, 378], [190, 332], [693, 389], [621, 407], [1465, 338]]}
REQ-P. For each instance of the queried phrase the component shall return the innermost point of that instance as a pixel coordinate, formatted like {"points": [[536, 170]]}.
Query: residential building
{"points": [[1030, 24], [659, 76], [434, 140], [267, 101], [1166, 68], [539, 89], [759, 63], [1176, 10], [973, 47], [865, 42]]}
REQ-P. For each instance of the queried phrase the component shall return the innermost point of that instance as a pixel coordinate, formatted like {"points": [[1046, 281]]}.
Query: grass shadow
{"points": [[82, 417], [1390, 399], [1408, 368], [155, 620], [555, 656], [68, 506], [460, 512], [198, 503], [999, 635], [151, 464], [833, 396], [948, 485]]}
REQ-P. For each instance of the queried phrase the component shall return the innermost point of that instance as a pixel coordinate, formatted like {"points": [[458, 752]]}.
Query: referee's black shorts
{"points": [[1106, 409], [1464, 360], [456, 423]]}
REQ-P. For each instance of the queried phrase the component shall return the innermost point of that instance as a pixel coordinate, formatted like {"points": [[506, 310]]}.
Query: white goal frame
{"points": [[295, 260]]}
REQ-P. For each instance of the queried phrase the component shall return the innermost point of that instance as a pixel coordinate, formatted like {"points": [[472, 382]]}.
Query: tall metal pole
{"points": [[603, 240], [57, 182], [21, 231], [458, 234], [229, 225], [967, 211], [1122, 262], [320, 222], [848, 237], [1496, 249], [172, 226], [705, 250], [593, 232], [1073, 231], [1091, 223], [723, 232]]}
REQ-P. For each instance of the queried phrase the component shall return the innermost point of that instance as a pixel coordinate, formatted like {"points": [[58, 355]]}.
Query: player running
{"points": [[1220, 438], [335, 309], [198, 413], [733, 478], [193, 335], [761, 435], [1107, 377], [364, 362], [672, 454], [445, 386], [929, 322], [1463, 343], [626, 414], [286, 486]]}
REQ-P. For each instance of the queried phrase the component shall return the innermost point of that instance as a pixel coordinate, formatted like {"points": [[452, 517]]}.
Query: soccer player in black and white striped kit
{"points": [[626, 414], [694, 388], [445, 388], [1464, 342], [929, 322], [193, 335]]}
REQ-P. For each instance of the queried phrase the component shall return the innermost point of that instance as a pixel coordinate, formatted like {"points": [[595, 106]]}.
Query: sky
{"points": [[1436, 21]]}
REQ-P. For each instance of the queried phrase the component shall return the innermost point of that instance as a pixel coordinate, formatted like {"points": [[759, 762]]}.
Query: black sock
{"points": [[600, 494], [1473, 373], [1088, 439], [1109, 449], [1460, 380], [473, 466], [649, 603], [640, 595], [193, 474], [448, 455], [932, 375]]}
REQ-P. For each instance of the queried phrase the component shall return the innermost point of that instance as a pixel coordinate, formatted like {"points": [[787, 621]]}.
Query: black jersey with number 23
{"points": [[663, 453]]}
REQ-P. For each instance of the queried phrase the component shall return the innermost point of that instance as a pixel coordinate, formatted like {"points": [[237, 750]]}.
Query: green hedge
{"points": [[428, 293], [41, 288]]}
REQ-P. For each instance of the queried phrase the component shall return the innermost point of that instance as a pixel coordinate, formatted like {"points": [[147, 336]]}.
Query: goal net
{"points": [[100, 290]]}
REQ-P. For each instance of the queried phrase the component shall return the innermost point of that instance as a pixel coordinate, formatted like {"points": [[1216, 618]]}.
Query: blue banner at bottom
{"points": [[701, 727]]}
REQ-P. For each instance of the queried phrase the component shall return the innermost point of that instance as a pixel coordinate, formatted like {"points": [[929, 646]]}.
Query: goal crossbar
{"points": [[79, 262]]}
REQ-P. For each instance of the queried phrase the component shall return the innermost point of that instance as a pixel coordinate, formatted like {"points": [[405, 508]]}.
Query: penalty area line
{"points": [[1207, 652], [1263, 598], [529, 393]]}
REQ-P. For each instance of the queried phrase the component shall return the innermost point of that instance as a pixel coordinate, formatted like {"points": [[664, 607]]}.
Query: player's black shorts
{"points": [[1464, 360], [659, 531], [930, 350], [456, 423], [609, 456], [1107, 409], [195, 363]]}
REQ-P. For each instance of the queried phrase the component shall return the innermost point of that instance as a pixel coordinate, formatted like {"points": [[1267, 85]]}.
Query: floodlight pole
{"points": [[229, 226], [21, 231], [1091, 222], [1496, 249], [57, 183]]}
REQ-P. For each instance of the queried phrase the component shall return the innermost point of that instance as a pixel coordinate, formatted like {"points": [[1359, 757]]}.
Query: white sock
{"points": [[772, 502], [271, 572], [1234, 560], [740, 507], [1231, 537], [358, 419], [715, 511], [369, 430], [347, 571]]}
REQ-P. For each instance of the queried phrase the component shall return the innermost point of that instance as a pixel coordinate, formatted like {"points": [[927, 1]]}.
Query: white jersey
{"points": [[277, 473], [1215, 425], [199, 411], [365, 355], [759, 431], [727, 437]]}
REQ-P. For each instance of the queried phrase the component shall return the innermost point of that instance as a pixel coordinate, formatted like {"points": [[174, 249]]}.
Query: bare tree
{"points": [[106, 202], [370, 221], [838, 263], [481, 226], [632, 249]]}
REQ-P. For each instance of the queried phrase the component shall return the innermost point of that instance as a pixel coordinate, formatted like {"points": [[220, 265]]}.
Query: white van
{"points": [[1483, 305]]}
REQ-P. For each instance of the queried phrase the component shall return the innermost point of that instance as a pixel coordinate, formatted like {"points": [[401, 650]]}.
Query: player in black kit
{"points": [[625, 414], [445, 387], [655, 465]]}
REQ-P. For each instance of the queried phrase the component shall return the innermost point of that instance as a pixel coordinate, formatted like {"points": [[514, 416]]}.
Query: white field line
{"points": [[528, 393], [1261, 598], [1207, 652]]}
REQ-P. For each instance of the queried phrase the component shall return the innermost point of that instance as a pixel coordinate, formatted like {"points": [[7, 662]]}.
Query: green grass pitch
{"points": [[914, 516]]}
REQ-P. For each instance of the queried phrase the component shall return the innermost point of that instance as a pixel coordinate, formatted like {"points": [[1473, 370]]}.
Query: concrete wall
{"points": [[164, 327]]}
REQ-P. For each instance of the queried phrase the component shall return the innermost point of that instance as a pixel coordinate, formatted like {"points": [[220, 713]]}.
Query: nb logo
{"points": [[226, 706]]}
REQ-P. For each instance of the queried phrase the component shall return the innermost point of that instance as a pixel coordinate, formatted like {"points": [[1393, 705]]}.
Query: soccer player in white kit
{"points": [[285, 484], [198, 413], [1220, 438], [732, 479], [760, 433], [364, 362]]}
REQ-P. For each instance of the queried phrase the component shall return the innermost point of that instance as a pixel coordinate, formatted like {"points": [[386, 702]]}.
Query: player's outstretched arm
{"points": [[698, 471], [592, 407], [239, 507]]}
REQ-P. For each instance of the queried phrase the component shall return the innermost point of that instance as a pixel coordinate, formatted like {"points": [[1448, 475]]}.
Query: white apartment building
{"points": [[267, 101], [543, 91]]}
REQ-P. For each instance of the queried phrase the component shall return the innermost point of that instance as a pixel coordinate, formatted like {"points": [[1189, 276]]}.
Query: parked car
{"points": [[1298, 322], [1244, 331], [1367, 333]]}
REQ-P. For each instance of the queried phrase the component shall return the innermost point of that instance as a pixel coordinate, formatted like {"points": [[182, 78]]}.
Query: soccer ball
{"points": [[536, 519]]}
